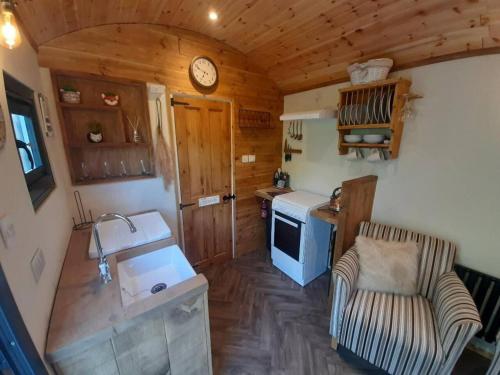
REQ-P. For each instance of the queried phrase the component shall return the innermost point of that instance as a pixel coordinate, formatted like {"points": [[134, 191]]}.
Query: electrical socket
{"points": [[7, 231], [244, 158], [37, 264], [251, 158]]}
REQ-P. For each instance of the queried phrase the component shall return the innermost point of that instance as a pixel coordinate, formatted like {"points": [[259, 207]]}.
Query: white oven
{"points": [[299, 242]]}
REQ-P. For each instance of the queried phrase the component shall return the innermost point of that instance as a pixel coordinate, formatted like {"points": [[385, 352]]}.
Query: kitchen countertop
{"points": [[323, 213], [263, 193], [86, 311]]}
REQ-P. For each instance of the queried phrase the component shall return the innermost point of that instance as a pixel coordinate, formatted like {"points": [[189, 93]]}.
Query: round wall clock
{"points": [[203, 72]]}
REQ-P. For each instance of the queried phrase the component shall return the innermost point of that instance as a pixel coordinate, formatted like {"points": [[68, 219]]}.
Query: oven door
{"points": [[286, 234]]}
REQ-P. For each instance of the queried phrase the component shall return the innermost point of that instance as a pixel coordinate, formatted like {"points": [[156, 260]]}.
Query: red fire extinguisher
{"points": [[263, 209]]}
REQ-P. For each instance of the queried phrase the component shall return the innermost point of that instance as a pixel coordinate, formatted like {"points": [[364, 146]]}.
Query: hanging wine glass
{"points": [[107, 170], [124, 168], [144, 171], [85, 171]]}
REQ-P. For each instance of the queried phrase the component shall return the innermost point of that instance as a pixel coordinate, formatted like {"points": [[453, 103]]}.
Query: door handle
{"points": [[181, 206]]}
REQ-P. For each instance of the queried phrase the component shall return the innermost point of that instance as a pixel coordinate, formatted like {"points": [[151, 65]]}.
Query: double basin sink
{"points": [[151, 272]]}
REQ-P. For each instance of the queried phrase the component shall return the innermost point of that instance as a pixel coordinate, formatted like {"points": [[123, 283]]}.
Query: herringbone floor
{"points": [[264, 323]]}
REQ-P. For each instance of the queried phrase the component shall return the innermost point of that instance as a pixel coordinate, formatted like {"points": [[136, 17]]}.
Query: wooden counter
{"points": [[87, 312], [325, 214], [264, 193]]}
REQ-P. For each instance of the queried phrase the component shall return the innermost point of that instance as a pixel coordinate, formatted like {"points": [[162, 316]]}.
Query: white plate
{"points": [[375, 109], [369, 109], [389, 106], [381, 106]]}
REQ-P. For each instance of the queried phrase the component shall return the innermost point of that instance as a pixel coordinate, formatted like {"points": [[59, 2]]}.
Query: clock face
{"points": [[204, 72]]}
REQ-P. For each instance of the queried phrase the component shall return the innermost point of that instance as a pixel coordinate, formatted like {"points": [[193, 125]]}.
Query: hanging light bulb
{"points": [[10, 36]]}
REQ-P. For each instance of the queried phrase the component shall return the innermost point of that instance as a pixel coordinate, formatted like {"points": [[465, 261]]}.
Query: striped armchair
{"points": [[422, 334]]}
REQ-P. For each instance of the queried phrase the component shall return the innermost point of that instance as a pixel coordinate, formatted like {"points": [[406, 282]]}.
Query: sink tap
{"points": [[104, 271]]}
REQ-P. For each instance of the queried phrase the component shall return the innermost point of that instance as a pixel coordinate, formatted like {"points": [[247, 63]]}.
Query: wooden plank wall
{"points": [[162, 54]]}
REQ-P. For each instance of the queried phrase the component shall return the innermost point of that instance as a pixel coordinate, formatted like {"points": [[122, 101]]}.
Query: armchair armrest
{"points": [[345, 275], [457, 317]]}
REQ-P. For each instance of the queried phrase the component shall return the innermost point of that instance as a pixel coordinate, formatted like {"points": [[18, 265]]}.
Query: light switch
{"points": [[244, 158], [251, 158], [37, 264], [7, 231]]}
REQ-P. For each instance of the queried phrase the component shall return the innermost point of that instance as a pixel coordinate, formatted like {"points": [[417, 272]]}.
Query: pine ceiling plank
{"points": [[329, 25], [299, 43], [376, 40], [393, 23]]}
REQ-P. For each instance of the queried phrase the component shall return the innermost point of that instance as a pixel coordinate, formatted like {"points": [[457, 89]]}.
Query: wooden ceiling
{"points": [[299, 43]]}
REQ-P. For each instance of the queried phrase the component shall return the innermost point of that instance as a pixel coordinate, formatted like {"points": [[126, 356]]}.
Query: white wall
{"points": [[131, 196], [446, 180], [49, 228]]}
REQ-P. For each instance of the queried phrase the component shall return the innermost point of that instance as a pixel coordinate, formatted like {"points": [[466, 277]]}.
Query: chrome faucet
{"points": [[104, 271]]}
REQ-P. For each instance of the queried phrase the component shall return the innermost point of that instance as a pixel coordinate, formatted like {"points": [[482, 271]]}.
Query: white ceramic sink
{"points": [[150, 273], [116, 236]]}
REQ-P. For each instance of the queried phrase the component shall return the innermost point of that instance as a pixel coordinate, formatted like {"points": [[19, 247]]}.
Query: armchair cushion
{"points": [[457, 317], [437, 256], [394, 332], [388, 266]]}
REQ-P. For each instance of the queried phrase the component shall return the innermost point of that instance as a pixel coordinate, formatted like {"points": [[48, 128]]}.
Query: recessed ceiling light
{"points": [[213, 16]]}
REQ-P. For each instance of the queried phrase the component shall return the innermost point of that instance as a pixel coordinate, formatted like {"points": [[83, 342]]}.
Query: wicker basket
{"points": [[372, 70], [72, 97], [378, 69]]}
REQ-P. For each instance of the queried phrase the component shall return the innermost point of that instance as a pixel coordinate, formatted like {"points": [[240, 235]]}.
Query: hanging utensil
{"points": [[299, 137], [289, 128]]}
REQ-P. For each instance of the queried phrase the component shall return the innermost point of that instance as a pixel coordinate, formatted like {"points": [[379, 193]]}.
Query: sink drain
{"points": [[158, 288]]}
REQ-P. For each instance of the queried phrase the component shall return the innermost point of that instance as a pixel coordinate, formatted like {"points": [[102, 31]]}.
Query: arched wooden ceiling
{"points": [[299, 43]]}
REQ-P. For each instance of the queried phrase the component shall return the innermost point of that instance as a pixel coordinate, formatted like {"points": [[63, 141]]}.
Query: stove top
{"points": [[297, 204]]}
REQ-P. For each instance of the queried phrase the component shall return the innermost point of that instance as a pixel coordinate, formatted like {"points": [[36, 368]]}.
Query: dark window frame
{"points": [[21, 100]]}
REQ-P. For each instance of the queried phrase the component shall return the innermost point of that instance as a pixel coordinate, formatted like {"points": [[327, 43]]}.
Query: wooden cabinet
{"points": [[375, 107], [119, 156], [173, 339]]}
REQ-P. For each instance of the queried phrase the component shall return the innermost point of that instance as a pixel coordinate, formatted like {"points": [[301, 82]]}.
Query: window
{"points": [[29, 140]]}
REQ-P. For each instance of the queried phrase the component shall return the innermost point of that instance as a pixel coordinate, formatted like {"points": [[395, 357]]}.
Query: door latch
{"points": [[225, 198], [181, 206]]}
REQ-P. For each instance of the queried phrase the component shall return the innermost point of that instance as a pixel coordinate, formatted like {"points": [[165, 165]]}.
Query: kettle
{"points": [[335, 200]]}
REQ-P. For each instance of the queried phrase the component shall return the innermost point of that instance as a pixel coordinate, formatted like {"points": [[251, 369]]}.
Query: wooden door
{"points": [[203, 136]]}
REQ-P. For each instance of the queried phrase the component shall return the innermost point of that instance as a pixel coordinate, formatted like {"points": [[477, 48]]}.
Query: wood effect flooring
{"points": [[264, 323]]}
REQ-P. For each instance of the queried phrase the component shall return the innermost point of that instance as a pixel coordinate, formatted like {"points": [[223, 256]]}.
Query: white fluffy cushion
{"points": [[388, 266]]}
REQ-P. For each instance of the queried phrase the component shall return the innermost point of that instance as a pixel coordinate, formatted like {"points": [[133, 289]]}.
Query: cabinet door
{"points": [[97, 360], [142, 348], [188, 337]]}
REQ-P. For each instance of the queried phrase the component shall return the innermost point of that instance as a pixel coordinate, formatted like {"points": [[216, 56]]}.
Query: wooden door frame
{"points": [[180, 221]]}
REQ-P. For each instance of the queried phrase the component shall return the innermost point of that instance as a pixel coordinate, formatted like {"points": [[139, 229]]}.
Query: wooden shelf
{"points": [[111, 179], [371, 85], [90, 107], [372, 96], [109, 145], [365, 145], [364, 126], [87, 158]]}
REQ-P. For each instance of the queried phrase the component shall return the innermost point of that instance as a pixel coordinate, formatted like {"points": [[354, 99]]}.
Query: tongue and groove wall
{"points": [[162, 54]]}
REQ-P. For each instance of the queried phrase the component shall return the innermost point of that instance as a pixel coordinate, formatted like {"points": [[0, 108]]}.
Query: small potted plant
{"points": [[70, 95], [95, 132], [110, 98]]}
